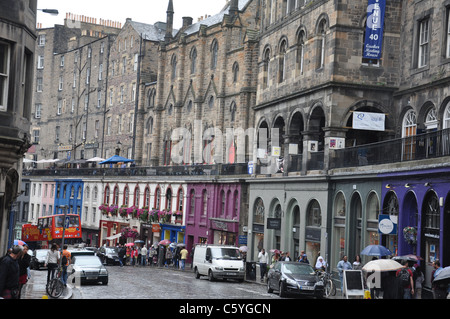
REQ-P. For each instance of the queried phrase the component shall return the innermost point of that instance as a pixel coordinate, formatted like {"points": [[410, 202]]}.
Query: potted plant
{"points": [[123, 211], [113, 210], [104, 209]]}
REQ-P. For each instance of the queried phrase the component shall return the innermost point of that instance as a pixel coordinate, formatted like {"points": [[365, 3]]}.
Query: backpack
{"points": [[404, 276], [64, 260]]}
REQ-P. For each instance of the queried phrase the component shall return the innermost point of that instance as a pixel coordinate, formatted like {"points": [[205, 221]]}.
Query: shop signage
{"points": [[156, 228], [242, 239], [374, 29], [387, 224], [258, 228], [312, 234], [216, 224], [368, 121], [273, 223]]}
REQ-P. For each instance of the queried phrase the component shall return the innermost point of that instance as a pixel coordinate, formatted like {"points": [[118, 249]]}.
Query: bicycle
{"points": [[330, 287], [55, 287]]}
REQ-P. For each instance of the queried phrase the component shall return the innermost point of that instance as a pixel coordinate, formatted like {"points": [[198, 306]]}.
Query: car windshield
{"points": [[111, 250], [87, 261], [225, 253], [298, 269]]}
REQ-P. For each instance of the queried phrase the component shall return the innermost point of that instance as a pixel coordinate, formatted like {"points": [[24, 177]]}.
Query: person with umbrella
{"points": [[439, 289]]}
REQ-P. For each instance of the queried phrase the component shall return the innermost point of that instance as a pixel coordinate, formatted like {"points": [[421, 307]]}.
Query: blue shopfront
{"points": [[174, 233], [420, 200]]}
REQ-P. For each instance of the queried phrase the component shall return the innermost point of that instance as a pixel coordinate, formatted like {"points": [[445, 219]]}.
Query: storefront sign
{"points": [[387, 224], [220, 225], [273, 223], [374, 29], [312, 234], [156, 228]]}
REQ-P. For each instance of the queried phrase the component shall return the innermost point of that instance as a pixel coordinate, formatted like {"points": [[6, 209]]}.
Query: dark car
{"points": [[109, 255], [88, 269], [290, 277], [38, 259]]}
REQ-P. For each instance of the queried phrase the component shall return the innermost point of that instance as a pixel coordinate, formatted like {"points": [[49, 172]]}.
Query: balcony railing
{"points": [[423, 146]]}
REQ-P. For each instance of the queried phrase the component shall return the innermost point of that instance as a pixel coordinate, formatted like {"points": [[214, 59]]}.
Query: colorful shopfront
{"points": [[421, 200]]}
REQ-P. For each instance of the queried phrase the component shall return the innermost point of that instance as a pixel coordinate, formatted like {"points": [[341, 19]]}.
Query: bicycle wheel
{"points": [[55, 288], [332, 287], [328, 285]]}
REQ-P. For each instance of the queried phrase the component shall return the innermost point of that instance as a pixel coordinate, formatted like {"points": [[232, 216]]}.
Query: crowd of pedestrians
{"points": [[156, 255]]}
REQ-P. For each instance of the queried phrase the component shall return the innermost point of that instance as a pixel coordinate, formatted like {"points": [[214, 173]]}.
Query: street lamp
{"points": [[53, 12]]}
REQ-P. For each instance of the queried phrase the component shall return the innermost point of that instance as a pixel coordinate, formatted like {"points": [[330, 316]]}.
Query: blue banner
{"points": [[374, 29]]}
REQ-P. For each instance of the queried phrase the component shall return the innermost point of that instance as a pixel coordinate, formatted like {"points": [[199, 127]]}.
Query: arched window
{"points": [[259, 211], [222, 204], [205, 203], [236, 205], [157, 198], [300, 52], [233, 111], [409, 129], [282, 62], [235, 72], [95, 194], [173, 64], [136, 196], [151, 98], [211, 102], [266, 68], [321, 44], [431, 119], [180, 199], [193, 60], [126, 196], [147, 197], [107, 193], [149, 126], [87, 192], [169, 199], [192, 203], [214, 52], [116, 196], [446, 123]]}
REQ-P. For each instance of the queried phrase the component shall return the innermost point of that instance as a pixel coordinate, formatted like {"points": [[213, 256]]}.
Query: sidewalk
{"points": [[35, 287]]}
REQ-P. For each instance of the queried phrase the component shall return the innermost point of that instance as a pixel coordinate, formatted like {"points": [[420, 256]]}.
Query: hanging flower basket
{"points": [[113, 210], [142, 214], [153, 216], [128, 232], [410, 235], [123, 211], [104, 209]]}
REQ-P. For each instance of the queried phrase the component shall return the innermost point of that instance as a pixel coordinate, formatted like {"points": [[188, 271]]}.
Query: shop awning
{"points": [[113, 237]]}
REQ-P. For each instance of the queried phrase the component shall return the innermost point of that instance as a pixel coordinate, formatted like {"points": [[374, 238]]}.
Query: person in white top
{"points": [[52, 262], [263, 258]]}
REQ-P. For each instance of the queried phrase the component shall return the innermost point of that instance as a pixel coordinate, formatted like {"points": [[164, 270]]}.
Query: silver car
{"points": [[88, 269]]}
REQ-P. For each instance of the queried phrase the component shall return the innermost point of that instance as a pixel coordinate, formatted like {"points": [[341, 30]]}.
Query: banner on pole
{"points": [[374, 29]]}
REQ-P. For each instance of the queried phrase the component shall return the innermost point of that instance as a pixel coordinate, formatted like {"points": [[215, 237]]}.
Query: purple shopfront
{"points": [[421, 200], [212, 213]]}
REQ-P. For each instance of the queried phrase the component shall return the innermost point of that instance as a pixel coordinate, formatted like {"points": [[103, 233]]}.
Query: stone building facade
{"points": [[17, 48]]}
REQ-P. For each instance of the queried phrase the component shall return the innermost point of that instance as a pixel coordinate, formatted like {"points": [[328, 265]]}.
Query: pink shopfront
{"points": [[212, 213]]}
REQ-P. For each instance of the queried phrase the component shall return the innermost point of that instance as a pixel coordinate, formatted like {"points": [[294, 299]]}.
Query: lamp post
{"points": [[53, 12]]}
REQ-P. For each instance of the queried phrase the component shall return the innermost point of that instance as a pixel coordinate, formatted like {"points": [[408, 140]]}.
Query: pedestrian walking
{"points": [[418, 281], [66, 261], [321, 264], [183, 256], [263, 259], [144, 256], [24, 264], [357, 265], [122, 254], [168, 257], [128, 256], [405, 277], [343, 265], [51, 262], [9, 274]]}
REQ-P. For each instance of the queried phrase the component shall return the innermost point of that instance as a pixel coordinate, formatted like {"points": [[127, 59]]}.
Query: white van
{"points": [[218, 262]]}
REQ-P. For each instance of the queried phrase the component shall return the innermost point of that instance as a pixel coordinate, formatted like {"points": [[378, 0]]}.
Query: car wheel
{"points": [[105, 282], [210, 276], [269, 290], [197, 274], [282, 292]]}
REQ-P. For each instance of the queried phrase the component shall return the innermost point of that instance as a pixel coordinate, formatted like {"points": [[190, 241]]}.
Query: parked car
{"points": [[109, 255], [38, 259], [89, 269], [81, 252], [290, 277]]}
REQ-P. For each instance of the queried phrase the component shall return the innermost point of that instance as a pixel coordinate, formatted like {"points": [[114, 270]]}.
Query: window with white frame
{"points": [[423, 43], [61, 83], [4, 74], [39, 85], [41, 40], [40, 62], [37, 112], [59, 107]]}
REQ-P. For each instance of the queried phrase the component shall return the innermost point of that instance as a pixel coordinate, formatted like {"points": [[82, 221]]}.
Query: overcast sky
{"points": [[146, 11]]}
